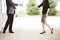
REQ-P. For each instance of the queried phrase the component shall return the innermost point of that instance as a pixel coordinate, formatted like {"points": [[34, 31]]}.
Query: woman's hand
{"points": [[47, 12]]}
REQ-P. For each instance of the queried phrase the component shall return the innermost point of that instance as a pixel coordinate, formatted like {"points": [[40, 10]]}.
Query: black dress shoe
{"points": [[11, 32], [43, 32], [3, 32]]}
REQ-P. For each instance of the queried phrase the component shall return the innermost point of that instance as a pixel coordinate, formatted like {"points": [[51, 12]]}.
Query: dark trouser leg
{"points": [[7, 23], [11, 22]]}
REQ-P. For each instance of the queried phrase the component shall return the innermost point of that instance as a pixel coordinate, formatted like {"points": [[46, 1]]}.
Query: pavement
{"points": [[29, 28]]}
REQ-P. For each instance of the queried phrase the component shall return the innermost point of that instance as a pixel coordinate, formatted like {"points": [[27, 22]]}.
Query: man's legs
{"points": [[7, 23], [11, 22]]}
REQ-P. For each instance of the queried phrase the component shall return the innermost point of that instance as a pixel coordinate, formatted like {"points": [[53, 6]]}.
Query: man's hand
{"points": [[20, 4], [34, 7]]}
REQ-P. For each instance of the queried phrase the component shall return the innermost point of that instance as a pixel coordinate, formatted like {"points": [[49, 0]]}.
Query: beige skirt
{"points": [[43, 19]]}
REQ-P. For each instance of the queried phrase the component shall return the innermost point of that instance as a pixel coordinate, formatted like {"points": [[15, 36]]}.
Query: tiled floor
{"points": [[29, 28]]}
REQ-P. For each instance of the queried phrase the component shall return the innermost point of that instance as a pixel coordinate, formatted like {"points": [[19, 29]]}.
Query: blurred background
{"points": [[26, 8]]}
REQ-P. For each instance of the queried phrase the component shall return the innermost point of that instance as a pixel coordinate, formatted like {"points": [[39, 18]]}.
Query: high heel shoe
{"points": [[52, 31], [43, 32]]}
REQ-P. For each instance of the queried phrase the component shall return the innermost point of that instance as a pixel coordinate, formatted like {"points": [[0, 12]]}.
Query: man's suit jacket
{"points": [[10, 7]]}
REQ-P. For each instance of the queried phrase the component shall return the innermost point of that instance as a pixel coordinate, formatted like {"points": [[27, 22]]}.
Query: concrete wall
{"points": [[0, 15]]}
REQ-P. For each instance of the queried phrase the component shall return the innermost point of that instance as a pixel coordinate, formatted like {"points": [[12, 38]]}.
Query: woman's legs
{"points": [[43, 25], [51, 29], [48, 26]]}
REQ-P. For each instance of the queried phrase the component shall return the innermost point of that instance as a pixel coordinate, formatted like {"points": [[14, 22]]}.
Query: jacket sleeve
{"points": [[48, 4], [10, 2], [40, 5]]}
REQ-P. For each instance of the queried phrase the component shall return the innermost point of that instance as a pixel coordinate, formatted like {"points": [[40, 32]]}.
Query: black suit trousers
{"points": [[9, 22]]}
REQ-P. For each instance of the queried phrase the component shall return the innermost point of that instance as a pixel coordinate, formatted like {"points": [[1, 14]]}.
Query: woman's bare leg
{"points": [[48, 26], [43, 25]]}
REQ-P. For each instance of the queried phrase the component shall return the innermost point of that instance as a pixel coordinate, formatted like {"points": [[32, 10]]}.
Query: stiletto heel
{"points": [[52, 31]]}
